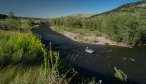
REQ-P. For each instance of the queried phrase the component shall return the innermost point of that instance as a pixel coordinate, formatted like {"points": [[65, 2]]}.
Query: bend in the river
{"points": [[101, 63]]}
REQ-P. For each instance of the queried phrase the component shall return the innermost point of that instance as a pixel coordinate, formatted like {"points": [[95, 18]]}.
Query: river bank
{"points": [[87, 36], [101, 63]]}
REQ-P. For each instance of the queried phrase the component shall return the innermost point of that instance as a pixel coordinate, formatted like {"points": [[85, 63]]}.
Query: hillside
{"points": [[82, 15], [124, 24], [135, 7]]}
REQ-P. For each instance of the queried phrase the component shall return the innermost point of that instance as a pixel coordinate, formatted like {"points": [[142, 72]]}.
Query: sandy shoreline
{"points": [[91, 39]]}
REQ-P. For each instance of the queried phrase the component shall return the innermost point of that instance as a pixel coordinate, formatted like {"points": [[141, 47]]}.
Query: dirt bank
{"points": [[89, 38]]}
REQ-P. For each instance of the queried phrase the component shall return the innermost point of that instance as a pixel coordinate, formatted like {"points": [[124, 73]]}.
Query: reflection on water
{"points": [[102, 61]]}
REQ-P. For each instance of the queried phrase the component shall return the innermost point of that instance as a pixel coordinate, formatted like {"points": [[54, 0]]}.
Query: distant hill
{"points": [[32, 18], [77, 16], [134, 7], [82, 15], [2, 16]]}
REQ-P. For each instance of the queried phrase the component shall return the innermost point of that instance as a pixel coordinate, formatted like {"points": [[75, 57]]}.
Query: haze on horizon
{"points": [[57, 8]]}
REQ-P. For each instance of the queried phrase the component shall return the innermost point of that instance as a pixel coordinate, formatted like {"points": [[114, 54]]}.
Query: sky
{"points": [[57, 8]]}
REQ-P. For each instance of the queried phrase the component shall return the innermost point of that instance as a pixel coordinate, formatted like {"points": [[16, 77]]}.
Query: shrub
{"points": [[120, 75], [20, 47]]}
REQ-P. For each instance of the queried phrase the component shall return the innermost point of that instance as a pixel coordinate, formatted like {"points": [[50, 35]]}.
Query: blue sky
{"points": [[56, 8]]}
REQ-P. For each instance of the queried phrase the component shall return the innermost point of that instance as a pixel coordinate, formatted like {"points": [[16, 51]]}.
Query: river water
{"points": [[101, 63]]}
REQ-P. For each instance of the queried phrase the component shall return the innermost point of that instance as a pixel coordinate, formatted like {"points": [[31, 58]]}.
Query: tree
{"points": [[11, 15]]}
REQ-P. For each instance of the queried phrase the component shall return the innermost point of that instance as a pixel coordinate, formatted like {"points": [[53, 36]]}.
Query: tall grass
{"points": [[25, 60], [20, 47]]}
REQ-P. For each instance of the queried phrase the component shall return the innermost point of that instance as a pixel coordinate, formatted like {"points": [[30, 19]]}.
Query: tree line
{"points": [[128, 28], [22, 24]]}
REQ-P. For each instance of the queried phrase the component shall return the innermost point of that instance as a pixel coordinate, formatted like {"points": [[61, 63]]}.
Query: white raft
{"points": [[89, 50]]}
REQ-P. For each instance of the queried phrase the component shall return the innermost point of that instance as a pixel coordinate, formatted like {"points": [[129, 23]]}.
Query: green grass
{"points": [[19, 74], [21, 25], [25, 60], [81, 31], [17, 47]]}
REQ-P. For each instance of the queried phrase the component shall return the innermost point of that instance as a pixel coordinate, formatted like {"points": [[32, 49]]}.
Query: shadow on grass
{"points": [[24, 61]]}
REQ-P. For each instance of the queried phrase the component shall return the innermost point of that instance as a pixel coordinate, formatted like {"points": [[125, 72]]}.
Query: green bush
{"points": [[20, 47], [16, 25], [25, 60], [119, 74], [117, 38]]}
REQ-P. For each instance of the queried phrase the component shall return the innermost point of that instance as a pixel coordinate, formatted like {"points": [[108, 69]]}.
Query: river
{"points": [[101, 63]]}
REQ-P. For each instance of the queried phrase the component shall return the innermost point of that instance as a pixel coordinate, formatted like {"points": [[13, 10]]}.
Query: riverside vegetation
{"points": [[124, 24], [25, 60], [21, 57]]}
